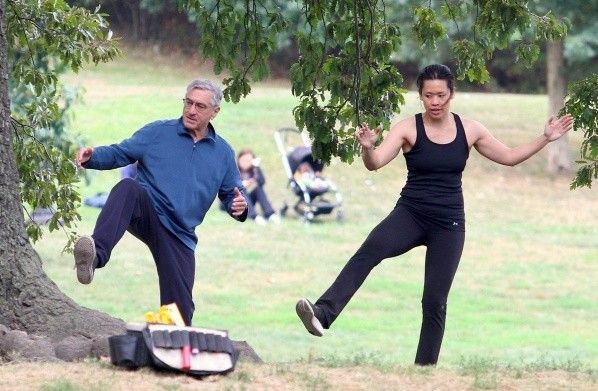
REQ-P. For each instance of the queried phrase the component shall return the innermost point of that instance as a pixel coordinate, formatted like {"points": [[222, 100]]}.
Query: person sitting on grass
{"points": [[254, 180]]}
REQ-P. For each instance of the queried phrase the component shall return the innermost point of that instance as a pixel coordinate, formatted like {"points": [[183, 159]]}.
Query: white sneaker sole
{"points": [[307, 316], [84, 252]]}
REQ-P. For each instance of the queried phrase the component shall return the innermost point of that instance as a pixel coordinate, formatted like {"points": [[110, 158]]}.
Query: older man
{"points": [[182, 166]]}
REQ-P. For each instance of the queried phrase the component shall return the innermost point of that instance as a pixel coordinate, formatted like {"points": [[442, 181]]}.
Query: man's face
{"points": [[198, 109]]}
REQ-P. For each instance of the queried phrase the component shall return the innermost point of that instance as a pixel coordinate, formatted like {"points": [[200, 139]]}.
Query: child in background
{"points": [[309, 178], [253, 180]]}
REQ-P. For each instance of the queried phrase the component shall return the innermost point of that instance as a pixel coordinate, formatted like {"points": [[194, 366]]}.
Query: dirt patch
{"points": [[102, 375]]}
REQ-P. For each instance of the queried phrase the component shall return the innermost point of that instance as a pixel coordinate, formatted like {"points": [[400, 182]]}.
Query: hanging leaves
{"points": [[582, 104], [46, 38], [344, 75]]}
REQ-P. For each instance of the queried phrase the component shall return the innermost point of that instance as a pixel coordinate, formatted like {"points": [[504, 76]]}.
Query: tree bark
{"points": [[134, 8], [558, 151], [29, 300]]}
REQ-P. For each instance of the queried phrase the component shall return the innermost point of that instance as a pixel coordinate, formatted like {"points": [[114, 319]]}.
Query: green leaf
{"points": [[582, 103], [47, 38]]}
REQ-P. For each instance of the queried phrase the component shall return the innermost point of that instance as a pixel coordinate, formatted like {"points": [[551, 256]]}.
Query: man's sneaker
{"points": [[305, 311], [85, 254]]}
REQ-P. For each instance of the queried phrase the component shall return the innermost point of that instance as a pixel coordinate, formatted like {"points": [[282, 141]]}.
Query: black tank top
{"points": [[433, 189]]}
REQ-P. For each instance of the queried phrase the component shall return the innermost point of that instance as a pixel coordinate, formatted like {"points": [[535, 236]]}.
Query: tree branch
{"points": [[24, 29], [448, 6], [23, 126], [357, 75]]}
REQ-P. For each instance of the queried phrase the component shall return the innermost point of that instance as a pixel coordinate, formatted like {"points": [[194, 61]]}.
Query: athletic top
{"points": [[433, 189], [181, 176]]}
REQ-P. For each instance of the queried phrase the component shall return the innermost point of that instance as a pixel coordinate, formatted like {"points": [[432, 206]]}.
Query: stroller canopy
{"points": [[303, 155]]}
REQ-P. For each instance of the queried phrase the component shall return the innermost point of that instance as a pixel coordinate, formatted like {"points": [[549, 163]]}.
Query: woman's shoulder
{"points": [[468, 122], [473, 129], [407, 123]]}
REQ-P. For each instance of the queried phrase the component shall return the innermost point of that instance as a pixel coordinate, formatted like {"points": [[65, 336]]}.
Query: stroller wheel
{"points": [[283, 210], [307, 217]]}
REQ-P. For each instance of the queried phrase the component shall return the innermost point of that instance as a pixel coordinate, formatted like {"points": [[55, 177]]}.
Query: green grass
{"points": [[526, 286], [60, 385]]}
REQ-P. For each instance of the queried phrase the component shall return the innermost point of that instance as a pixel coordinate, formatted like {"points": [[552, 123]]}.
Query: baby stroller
{"points": [[316, 194]]}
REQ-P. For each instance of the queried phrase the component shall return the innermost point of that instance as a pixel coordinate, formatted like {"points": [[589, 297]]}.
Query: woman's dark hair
{"points": [[244, 152], [436, 72]]}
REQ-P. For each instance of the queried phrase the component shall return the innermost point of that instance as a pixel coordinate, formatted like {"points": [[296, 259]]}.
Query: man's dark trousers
{"points": [[129, 208]]}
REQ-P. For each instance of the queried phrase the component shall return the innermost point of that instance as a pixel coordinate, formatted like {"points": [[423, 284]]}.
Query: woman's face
{"points": [[245, 161], [436, 97]]}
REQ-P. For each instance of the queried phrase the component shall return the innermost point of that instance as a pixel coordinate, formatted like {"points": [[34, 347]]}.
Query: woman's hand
{"points": [[367, 137], [556, 127]]}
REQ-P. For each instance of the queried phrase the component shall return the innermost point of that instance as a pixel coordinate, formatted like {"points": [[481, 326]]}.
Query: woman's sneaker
{"points": [[260, 220], [274, 218], [85, 255], [306, 312]]}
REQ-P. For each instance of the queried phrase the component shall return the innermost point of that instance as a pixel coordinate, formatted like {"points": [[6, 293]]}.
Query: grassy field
{"points": [[101, 376], [525, 291]]}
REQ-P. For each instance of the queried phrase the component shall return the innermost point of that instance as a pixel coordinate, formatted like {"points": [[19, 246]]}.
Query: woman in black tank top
{"points": [[429, 212]]}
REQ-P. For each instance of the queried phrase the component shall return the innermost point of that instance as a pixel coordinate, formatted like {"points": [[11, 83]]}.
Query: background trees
{"points": [[572, 55], [344, 74], [475, 36]]}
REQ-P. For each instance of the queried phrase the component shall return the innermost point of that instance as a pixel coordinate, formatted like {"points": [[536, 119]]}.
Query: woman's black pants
{"points": [[398, 233]]}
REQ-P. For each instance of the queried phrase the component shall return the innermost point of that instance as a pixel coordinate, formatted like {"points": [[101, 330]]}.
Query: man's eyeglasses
{"points": [[198, 106]]}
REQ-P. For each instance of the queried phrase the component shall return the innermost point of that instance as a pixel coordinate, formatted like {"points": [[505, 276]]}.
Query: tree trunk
{"points": [[558, 153], [134, 8], [29, 300]]}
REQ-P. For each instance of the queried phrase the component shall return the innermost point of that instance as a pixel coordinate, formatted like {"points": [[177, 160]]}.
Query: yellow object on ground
{"points": [[167, 314]]}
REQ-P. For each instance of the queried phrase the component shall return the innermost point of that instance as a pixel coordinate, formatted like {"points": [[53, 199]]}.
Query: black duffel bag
{"points": [[191, 350]]}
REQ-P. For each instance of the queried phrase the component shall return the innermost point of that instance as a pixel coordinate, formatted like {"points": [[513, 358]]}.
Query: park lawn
{"points": [[525, 290], [101, 375]]}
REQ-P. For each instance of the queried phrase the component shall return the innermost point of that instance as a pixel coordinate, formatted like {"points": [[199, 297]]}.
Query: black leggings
{"points": [[398, 233]]}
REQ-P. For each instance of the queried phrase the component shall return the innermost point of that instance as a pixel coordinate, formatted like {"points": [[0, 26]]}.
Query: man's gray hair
{"points": [[203, 84]]}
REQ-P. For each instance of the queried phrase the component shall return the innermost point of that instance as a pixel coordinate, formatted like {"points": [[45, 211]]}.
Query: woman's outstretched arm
{"points": [[491, 148], [377, 157]]}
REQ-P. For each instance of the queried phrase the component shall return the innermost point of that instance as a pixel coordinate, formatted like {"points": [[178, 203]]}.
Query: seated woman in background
{"points": [[253, 179]]}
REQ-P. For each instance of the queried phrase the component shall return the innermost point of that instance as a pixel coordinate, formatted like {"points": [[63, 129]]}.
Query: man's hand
{"points": [[239, 204], [83, 155]]}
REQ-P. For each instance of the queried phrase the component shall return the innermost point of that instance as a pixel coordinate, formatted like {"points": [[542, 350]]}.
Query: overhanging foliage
{"points": [[582, 104], [47, 37], [344, 75]]}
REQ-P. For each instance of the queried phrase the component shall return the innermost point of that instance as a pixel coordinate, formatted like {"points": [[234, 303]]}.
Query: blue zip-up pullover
{"points": [[182, 177]]}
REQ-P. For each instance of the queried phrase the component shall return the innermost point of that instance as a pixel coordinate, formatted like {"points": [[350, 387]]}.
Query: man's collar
{"points": [[211, 131]]}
